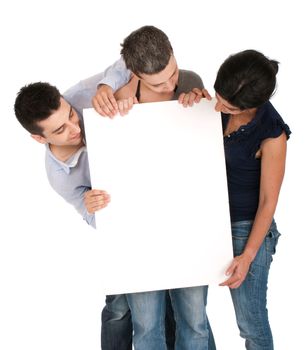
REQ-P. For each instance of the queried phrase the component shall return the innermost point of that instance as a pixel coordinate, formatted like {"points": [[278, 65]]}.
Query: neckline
{"points": [[244, 128]]}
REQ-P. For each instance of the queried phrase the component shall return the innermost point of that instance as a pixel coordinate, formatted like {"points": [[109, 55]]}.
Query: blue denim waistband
{"points": [[249, 223]]}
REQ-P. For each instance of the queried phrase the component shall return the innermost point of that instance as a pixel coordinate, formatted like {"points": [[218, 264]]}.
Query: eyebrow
{"points": [[58, 129]]}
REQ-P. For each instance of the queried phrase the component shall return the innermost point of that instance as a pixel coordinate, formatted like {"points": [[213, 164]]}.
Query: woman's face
{"points": [[225, 107]]}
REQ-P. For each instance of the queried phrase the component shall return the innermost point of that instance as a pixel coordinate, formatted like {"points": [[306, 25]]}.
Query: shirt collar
{"points": [[70, 163]]}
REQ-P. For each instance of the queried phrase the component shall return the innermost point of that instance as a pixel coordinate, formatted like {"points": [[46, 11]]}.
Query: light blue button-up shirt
{"points": [[71, 179]]}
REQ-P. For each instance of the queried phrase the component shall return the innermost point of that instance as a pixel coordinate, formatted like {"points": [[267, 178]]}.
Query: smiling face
{"points": [[164, 81], [61, 128]]}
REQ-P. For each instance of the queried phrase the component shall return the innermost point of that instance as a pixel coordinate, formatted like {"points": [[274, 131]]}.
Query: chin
{"points": [[76, 142], [76, 139]]}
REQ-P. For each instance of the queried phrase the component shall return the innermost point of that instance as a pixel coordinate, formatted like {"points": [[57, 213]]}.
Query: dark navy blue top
{"points": [[243, 168]]}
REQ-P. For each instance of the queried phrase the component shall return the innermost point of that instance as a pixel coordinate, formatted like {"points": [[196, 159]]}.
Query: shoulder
{"points": [[189, 80], [272, 124], [188, 75]]}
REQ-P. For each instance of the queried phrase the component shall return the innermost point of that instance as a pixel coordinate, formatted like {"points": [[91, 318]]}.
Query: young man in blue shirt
{"points": [[57, 122]]}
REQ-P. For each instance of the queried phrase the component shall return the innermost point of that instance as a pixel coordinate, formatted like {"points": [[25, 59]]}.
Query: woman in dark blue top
{"points": [[255, 139]]}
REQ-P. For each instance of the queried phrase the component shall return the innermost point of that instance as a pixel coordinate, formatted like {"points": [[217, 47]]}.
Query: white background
{"points": [[51, 295]]}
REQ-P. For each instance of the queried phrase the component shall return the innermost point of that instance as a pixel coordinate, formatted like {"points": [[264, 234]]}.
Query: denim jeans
{"points": [[116, 325], [116, 328], [148, 318], [192, 327], [250, 298]]}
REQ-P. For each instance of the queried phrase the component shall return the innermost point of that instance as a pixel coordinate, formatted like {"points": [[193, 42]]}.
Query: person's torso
{"points": [[243, 163]]}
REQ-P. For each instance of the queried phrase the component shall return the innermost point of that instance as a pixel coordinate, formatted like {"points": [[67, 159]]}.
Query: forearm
{"points": [[261, 225], [272, 173], [116, 75], [75, 197]]}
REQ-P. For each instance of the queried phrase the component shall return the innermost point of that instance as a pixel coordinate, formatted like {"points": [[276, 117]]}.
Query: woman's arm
{"points": [[273, 158]]}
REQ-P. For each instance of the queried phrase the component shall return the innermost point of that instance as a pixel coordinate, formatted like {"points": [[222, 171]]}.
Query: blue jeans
{"points": [[250, 298], [116, 328], [148, 318]]}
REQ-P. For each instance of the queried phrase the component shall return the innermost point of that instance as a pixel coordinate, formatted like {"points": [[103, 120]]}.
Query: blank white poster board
{"points": [[167, 225]]}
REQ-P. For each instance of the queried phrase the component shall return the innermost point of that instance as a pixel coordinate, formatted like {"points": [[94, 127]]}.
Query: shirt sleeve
{"points": [[188, 80], [80, 95], [116, 75], [71, 187], [279, 126], [75, 197], [273, 124]]}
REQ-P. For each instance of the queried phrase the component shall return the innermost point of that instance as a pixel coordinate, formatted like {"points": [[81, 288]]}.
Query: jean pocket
{"points": [[239, 244], [271, 241]]}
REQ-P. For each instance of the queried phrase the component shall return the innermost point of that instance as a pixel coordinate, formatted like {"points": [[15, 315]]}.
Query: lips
{"points": [[76, 136]]}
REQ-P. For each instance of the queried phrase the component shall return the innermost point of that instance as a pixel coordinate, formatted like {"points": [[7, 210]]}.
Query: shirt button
{"points": [[228, 135], [242, 129]]}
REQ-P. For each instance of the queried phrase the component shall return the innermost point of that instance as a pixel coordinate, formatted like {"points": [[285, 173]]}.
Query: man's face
{"points": [[61, 128], [165, 81]]}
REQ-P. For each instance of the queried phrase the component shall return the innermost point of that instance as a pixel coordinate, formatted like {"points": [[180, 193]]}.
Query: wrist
{"points": [[249, 254], [104, 86]]}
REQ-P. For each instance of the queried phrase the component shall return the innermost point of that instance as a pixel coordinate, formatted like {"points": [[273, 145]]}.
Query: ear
{"points": [[39, 138]]}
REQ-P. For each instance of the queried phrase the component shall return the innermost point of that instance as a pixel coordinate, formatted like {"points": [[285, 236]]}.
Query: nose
{"points": [[75, 127], [170, 85]]}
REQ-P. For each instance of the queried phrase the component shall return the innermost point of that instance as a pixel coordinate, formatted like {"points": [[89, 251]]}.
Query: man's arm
{"points": [[75, 197], [114, 78], [73, 183], [125, 96], [80, 96], [115, 75]]}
